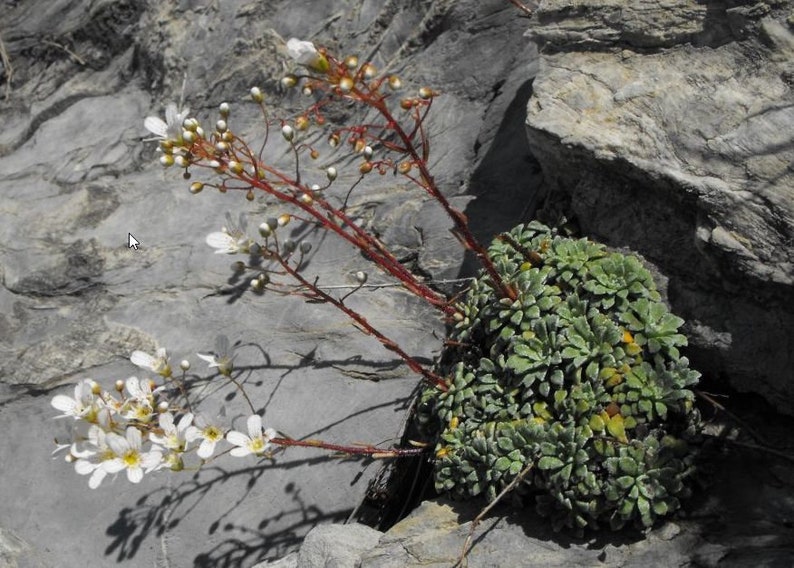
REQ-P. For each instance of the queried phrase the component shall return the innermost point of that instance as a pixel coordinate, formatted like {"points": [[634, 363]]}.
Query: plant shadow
{"points": [[231, 544]]}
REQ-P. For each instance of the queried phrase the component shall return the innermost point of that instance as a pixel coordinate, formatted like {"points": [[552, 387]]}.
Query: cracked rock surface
{"points": [[76, 177], [666, 127]]}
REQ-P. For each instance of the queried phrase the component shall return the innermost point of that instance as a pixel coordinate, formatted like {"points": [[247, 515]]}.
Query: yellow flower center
{"points": [[257, 446], [212, 434], [132, 458]]}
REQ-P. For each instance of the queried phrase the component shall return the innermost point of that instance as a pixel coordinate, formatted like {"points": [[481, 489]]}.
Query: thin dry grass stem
{"points": [[763, 444], [9, 69], [71, 53], [508, 488], [708, 398]]}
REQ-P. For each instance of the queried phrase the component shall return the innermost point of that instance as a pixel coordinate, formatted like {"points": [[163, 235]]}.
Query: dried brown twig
{"points": [[508, 488], [9, 69]]}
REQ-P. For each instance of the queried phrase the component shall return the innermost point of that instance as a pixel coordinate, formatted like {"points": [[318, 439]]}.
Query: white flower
{"points": [[85, 405], [156, 363], [140, 405], [232, 238], [171, 128], [91, 453], [256, 442], [223, 357], [226, 243], [80, 405], [209, 433], [307, 55], [174, 436], [128, 455]]}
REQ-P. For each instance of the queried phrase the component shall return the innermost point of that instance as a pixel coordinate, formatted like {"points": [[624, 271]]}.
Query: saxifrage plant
{"points": [[562, 358]]}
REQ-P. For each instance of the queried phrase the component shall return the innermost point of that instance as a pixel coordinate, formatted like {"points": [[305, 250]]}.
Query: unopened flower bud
{"points": [[289, 246], [224, 109], [395, 82], [367, 151], [272, 222], [215, 164], [184, 364], [284, 219], [359, 144], [289, 81], [196, 187], [199, 132], [119, 385], [221, 147], [426, 93], [346, 84], [365, 167], [331, 173], [221, 126], [96, 389], [287, 132], [181, 161], [265, 230], [369, 71], [404, 167], [316, 187], [188, 136], [351, 61], [333, 140], [236, 167], [249, 195], [314, 154], [256, 285], [162, 406], [166, 160], [307, 91], [360, 276], [227, 136], [256, 95], [301, 123], [306, 199], [305, 247], [407, 104]]}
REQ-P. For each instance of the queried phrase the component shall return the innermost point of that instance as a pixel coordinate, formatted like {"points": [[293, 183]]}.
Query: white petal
{"points": [[240, 452], [192, 433], [64, 403], [150, 460], [156, 126], [117, 445], [84, 467], [134, 437], [206, 449], [135, 474], [143, 360], [209, 359], [112, 466], [167, 423], [224, 242], [270, 433], [184, 422], [254, 426], [96, 478], [301, 51], [237, 438]]}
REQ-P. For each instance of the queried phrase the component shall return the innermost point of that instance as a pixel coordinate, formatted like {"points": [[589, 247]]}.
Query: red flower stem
{"points": [[429, 185], [371, 451], [364, 325]]}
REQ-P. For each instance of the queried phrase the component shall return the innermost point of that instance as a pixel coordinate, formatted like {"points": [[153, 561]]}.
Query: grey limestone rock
{"points": [[666, 127], [76, 176]]}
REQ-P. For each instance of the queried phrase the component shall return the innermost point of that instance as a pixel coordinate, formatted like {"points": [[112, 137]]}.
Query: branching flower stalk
{"points": [[140, 429]]}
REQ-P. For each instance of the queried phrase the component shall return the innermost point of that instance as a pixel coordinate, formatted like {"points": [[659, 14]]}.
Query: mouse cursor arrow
{"points": [[132, 242]]}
